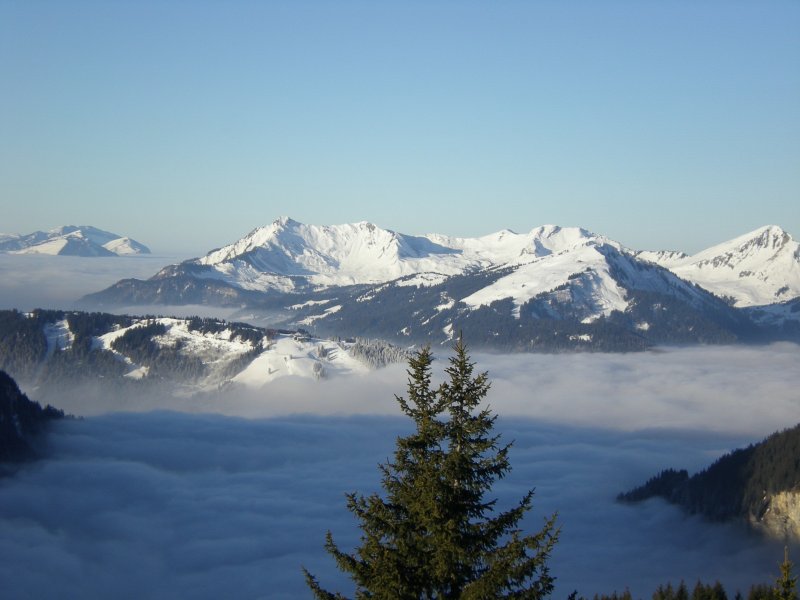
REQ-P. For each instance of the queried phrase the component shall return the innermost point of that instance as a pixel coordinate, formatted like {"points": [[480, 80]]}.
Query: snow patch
{"points": [[59, 336]]}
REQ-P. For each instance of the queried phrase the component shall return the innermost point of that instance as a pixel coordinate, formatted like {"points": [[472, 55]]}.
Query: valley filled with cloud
{"points": [[230, 495]]}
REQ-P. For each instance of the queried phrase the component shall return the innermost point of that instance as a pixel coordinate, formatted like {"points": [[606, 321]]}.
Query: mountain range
{"points": [[71, 240], [551, 288]]}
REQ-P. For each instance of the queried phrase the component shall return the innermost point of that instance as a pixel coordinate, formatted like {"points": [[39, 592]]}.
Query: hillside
{"points": [[759, 484], [21, 421], [51, 348]]}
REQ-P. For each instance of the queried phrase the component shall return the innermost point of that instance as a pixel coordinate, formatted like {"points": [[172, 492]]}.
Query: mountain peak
{"points": [[76, 240], [285, 221], [764, 263]]}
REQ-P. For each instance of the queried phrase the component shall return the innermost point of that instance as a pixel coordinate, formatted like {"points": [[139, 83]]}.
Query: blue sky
{"points": [[187, 124]]}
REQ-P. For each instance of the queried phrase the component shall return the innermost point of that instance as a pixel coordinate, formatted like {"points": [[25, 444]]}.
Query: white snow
{"points": [[757, 268], [138, 373], [422, 280], [125, 246], [104, 341], [59, 336], [364, 253], [50, 247], [310, 319], [448, 331], [82, 240], [548, 272], [446, 305], [292, 356], [761, 267], [309, 303], [584, 337]]}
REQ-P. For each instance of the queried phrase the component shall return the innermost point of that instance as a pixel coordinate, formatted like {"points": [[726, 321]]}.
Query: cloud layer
{"points": [[192, 504], [738, 389], [165, 505], [30, 281]]}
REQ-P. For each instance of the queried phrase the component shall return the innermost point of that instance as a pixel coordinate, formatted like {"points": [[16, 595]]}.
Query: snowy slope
{"points": [[71, 240], [67, 245], [552, 271], [278, 355], [758, 268], [362, 253], [540, 261], [296, 356], [125, 246]]}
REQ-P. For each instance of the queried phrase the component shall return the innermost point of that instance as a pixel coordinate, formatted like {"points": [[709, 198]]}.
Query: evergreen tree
{"points": [[433, 534], [786, 585]]}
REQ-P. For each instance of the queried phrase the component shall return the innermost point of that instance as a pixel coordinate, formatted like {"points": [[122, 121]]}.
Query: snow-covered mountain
{"points": [[345, 279], [189, 355], [758, 268], [362, 253], [72, 240]]}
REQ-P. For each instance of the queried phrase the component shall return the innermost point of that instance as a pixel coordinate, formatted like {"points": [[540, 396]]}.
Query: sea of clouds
{"points": [[229, 496], [29, 281]]}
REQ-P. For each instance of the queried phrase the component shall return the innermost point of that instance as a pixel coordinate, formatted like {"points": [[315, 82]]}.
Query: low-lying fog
{"points": [[192, 504], [29, 281]]}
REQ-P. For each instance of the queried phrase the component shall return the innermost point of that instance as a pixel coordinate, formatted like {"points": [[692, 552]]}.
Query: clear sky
{"points": [[668, 124]]}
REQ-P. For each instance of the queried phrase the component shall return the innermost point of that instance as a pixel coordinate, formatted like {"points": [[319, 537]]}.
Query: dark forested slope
{"points": [[744, 484], [21, 420]]}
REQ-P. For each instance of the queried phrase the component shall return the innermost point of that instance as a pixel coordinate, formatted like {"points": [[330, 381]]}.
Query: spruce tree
{"points": [[433, 533], [786, 584]]}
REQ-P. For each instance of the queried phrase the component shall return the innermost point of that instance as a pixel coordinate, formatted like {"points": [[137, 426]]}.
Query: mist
{"points": [[749, 390], [192, 502], [30, 281]]}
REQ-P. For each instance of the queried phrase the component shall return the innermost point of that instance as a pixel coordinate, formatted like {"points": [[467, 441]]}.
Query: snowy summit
{"points": [[72, 240]]}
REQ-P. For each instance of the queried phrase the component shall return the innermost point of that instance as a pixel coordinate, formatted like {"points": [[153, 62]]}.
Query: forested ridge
{"points": [[737, 485], [48, 348], [21, 421]]}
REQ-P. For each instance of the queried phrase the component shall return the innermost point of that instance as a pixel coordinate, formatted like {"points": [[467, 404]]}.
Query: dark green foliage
{"points": [[24, 351], [670, 593], [786, 585], [675, 320], [626, 595], [762, 592], [23, 344], [20, 421], [85, 326], [734, 486], [168, 361], [377, 353], [241, 331], [434, 534], [550, 322], [661, 485], [239, 363], [709, 592], [139, 340], [785, 588]]}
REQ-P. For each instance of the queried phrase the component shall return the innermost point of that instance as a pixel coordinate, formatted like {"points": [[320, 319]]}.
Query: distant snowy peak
{"points": [[765, 243], [364, 253], [664, 258], [758, 268], [72, 240], [126, 246], [509, 248]]}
